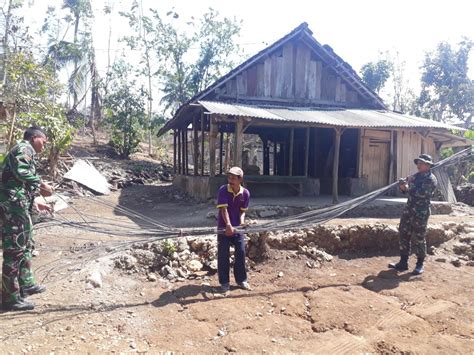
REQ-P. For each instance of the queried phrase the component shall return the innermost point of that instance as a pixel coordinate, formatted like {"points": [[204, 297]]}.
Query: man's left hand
{"points": [[42, 207]]}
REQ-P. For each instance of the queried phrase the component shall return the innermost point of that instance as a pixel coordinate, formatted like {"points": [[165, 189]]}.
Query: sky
{"points": [[357, 30]]}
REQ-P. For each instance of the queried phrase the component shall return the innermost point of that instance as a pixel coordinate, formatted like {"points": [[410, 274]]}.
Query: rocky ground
{"points": [[325, 289]]}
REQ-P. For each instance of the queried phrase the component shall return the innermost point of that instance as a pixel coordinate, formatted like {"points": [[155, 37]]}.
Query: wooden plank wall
{"points": [[292, 72], [408, 147]]}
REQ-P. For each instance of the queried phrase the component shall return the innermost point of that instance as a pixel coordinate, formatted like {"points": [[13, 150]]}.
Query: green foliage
{"points": [[168, 247], [447, 91], [125, 110], [30, 96], [181, 77], [376, 74]]}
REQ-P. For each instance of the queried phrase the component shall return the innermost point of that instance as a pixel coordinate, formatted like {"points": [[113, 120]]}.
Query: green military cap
{"points": [[424, 158]]}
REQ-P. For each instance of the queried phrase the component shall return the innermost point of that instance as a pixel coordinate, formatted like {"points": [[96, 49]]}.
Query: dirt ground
{"points": [[351, 305]]}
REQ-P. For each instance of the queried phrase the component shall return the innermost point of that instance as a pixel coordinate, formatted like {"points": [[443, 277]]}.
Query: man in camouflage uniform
{"points": [[413, 223], [19, 184]]}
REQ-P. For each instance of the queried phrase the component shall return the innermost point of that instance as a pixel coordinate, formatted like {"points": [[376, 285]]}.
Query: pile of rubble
{"points": [[465, 193], [194, 258], [358, 238], [171, 259]]}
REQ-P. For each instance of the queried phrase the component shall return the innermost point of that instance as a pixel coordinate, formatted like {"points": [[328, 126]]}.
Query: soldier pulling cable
{"points": [[414, 221], [19, 185]]}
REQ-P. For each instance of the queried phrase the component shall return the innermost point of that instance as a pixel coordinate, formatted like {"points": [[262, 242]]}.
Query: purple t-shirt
{"points": [[235, 203]]}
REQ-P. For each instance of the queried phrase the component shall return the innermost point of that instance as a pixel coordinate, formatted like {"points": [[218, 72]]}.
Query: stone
{"points": [[456, 262], [267, 213], [280, 274], [152, 277], [221, 332], [194, 265], [211, 215], [95, 279], [213, 265], [441, 259]]}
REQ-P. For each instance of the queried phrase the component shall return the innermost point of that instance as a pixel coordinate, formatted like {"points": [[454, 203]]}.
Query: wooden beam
{"points": [[212, 146], [306, 153], [290, 158], [175, 168], [238, 137], [335, 165], [392, 157], [195, 146], [266, 157], [202, 143], [186, 155], [275, 144], [179, 151], [221, 152]]}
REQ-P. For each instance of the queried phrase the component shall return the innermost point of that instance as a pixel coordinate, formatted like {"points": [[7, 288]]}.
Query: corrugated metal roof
{"points": [[337, 117]]}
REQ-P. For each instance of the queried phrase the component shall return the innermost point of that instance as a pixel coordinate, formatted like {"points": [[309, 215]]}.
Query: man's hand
{"points": [[403, 187], [45, 189], [229, 230], [42, 207]]}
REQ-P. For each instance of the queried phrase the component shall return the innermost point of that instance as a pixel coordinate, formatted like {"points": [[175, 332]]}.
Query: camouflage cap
{"points": [[424, 158]]}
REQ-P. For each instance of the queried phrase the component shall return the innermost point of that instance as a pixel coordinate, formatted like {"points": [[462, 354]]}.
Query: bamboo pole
{"points": [[335, 165]]}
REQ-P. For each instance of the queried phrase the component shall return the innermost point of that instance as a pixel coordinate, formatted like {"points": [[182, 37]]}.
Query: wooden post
{"points": [[238, 136], [221, 152], [179, 151], [195, 146], [275, 158], [202, 142], [186, 156], [212, 146], [306, 153], [266, 157], [174, 152], [290, 158], [335, 166], [392, 160]]}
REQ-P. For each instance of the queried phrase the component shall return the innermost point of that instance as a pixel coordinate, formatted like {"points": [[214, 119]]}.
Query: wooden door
{"points": [[376, 160]]}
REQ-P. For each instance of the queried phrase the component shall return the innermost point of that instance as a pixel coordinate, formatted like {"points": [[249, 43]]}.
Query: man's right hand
{"points": [[45, 189], [229, 230], [403, 187]]}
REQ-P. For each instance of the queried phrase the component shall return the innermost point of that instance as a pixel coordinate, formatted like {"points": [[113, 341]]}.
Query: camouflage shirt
{"points": [[19, 174], [420, 191]]}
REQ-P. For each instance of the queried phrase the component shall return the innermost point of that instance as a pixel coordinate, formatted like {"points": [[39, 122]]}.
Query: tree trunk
{"points": [[74, 73], [5, 42]]}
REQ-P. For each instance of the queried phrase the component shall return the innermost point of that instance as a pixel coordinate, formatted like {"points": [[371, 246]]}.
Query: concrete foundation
{"points": [[205, 188]]}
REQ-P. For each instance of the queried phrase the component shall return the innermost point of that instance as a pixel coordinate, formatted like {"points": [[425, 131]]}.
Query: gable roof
{"points": [[325, 52]]}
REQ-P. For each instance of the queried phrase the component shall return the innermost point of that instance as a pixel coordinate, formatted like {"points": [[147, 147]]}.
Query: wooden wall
{"points": [[291, 73], [409, 145]]}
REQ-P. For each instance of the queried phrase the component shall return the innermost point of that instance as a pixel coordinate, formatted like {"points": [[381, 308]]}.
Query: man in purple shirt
{"points": [[232, 202]]}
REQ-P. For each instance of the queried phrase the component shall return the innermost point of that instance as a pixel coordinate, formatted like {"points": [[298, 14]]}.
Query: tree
{"points": [[401, 94], [143, 39], [376, 74], [125, 110], [30, 98], [181, 77], [447, 92]]}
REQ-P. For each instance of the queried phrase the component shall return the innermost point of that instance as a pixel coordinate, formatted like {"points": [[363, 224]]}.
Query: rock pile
{"points": [[171, 259], [465, 194], [356, 237]]}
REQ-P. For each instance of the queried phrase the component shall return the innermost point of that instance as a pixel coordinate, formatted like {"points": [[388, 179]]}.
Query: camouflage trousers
{"points": [[412, 229], [18, 243]]}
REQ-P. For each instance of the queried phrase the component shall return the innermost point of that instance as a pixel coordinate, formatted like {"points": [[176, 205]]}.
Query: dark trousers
{"points": [[223, 255]]}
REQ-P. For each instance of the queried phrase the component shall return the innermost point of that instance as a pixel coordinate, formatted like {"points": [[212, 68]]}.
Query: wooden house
{"points": [[321, 129]]}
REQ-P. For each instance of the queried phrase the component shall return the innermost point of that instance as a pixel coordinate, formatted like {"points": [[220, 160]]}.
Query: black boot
{"points": [[20, 305], [402, 265], [31, 290], [419, 266]]}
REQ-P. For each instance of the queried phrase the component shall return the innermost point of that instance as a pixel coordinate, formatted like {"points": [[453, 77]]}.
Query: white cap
{"points": [[235, 170]]}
